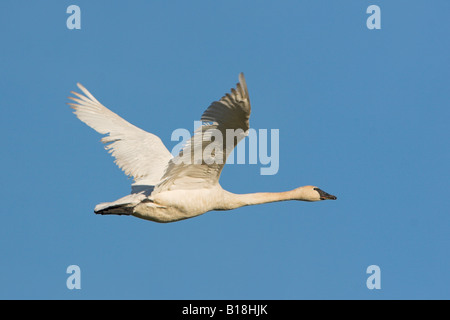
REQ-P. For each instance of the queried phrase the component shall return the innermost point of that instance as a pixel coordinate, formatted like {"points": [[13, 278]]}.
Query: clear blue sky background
{"points": [[362, 114]]}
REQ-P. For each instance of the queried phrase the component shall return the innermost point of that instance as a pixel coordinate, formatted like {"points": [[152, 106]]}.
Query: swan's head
{"points": [[312, 193]]}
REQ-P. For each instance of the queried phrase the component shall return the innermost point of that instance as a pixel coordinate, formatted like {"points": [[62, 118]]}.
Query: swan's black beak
{"points": [[324, 195]]}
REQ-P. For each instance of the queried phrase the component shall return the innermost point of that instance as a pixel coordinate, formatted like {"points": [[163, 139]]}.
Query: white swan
{"points": [[167, 188]]}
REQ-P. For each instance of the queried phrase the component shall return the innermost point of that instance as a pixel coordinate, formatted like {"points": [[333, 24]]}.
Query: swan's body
{"points": [[168, 188]]}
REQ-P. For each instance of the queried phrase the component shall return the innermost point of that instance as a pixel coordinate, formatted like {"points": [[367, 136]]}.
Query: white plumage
{"points": [[133, 148], [170, 188]]}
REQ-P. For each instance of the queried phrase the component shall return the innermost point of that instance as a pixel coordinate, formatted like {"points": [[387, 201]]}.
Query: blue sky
{"points": [[362, 113]]}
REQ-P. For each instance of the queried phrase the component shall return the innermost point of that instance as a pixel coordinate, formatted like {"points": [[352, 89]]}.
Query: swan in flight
{"points": [[167, 188]]}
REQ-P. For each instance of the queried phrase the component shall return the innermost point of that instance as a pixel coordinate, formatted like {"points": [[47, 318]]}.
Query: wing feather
{"points": [[193, 168], [138, 153]]}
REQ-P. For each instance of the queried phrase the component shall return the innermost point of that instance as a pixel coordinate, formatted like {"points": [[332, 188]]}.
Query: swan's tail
{"points": [[123, 206], [120, 209]]}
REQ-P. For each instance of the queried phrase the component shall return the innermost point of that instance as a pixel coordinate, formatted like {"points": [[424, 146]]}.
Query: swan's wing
{"points": [[202, 159], [138, 153]]}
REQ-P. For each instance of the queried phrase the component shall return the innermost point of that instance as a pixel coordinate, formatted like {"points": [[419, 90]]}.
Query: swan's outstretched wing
{"points": [[200, 162], [138, 153]]}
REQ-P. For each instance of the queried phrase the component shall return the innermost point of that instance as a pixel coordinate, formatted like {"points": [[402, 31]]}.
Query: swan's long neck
{"points": [[233, 201]]}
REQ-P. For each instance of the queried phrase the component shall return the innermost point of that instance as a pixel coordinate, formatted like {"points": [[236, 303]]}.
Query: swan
{"points": [[168, 188]]}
